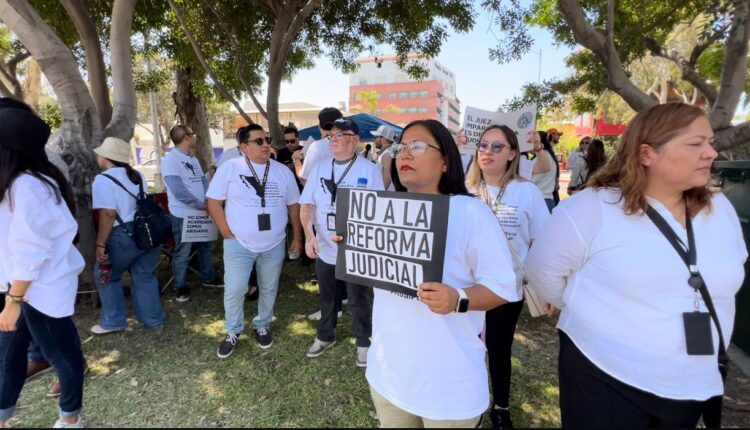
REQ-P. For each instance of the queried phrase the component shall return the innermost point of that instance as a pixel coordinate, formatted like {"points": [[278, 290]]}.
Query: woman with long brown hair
{"points": [[647, 249]]}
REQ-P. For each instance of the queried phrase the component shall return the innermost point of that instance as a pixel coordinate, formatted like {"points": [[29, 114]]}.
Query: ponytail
{"points": [[133, 175]]}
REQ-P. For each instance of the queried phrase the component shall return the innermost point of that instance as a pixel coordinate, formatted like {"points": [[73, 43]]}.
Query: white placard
{"points": [[197, 226], [521, 121]]}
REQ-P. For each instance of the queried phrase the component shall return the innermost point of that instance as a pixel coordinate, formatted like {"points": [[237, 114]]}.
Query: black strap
{"points": [[335, 184], [696, 280], [257, 178], [117, 215]]}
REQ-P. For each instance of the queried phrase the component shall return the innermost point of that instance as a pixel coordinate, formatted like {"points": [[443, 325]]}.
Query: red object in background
{"points": [[587, 125]]}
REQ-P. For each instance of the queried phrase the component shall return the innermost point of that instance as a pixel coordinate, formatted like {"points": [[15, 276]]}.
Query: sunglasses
{"points": [[497, 147], [290, 141], [259, 141], [415, 148]]}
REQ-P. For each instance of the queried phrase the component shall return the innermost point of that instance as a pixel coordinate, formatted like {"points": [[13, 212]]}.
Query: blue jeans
{"points": [[60, 345], [144, 288], [181, 256], [35, 352], [238, 262]]}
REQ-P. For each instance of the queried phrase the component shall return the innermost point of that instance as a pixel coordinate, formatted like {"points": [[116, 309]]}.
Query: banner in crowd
{"points": [[394, 241], [197, 226], [522, 121]]}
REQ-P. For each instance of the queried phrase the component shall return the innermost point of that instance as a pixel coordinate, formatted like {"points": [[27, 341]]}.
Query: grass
{"points": [[172, 377]]}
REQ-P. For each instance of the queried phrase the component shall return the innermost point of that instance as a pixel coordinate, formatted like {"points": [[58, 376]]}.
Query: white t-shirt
{"points": [[108, 195], [574, 159], [363, 174], [188, 169], [525, 167], [432, 365], [233, 183], [546, 181], [379, 163], [315, 152], [229, 154], [36, 244], [622, 288], [522, 213]]}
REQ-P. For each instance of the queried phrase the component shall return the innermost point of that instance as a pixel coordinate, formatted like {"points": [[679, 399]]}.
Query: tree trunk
{"points": [[81, 130], [192, 113], [80, 14], [32, 86], [272, 106], [124, 114]]}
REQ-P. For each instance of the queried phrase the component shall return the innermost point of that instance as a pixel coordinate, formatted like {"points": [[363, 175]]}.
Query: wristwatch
{"points": [[15, 299], [463, 301]]}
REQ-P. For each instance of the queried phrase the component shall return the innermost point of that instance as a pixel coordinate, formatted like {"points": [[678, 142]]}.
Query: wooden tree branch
{"points": [[234, 44], [124, 109], [734, 70], [79, 13], [729, 137], [202, 59], [18, 58], [699, 48], [588, 37], [11, 83], [611, 21], [687, 69]]}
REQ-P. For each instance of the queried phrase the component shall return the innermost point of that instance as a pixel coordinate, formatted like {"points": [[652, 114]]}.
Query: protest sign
{"points": [[197, 226], [521, 121], [394, 241]]}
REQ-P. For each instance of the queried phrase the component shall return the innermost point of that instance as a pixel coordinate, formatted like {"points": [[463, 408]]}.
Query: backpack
{"points": [[151, 225]]}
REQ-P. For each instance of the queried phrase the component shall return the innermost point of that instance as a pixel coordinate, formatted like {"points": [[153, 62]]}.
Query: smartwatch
{"points": [[463, 301]]}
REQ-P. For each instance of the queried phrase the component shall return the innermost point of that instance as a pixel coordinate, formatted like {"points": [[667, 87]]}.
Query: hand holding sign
{"points": [[440, 298]]}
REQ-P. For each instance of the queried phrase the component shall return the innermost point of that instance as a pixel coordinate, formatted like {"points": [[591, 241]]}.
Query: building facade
{"points": [[402, 99]]}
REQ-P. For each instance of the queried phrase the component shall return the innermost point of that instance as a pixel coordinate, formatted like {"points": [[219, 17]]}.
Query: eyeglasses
{"points": [[497, 147], [415, 148], [259, 141], [290, 141], [339, 135]]}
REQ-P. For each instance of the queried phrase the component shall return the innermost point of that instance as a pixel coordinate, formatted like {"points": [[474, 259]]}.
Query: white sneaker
{"points": [[76, 425], [318, 347], [315, 316], [97, 329], [361, 360]]}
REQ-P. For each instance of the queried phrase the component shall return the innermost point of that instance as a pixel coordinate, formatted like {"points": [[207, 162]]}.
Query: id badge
{"points": [[331, 222], [264, 222], [698, 337]]}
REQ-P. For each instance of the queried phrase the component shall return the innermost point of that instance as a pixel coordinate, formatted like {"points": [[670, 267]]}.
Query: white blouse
{"points": [[36, 244], [622, 288]]}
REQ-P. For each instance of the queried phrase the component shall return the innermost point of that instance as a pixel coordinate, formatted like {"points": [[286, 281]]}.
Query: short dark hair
{"points": [[452, 182], [292, 129], [177, 133], [244, 132]]}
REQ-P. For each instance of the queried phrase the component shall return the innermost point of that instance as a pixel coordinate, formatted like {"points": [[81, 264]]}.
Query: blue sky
{"points": [[479, 82]]}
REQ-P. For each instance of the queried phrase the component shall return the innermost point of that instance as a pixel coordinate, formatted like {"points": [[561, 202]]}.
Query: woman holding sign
{"points": [[521, 212], [639, 339], [426, 363]]}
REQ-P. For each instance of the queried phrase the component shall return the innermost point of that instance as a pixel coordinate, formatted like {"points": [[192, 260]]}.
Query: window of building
{"points": [[392, 96], [423, 109], [439, 96], [403, 94], [413, 94], [424, 93], [411, 110], [453, 120]]}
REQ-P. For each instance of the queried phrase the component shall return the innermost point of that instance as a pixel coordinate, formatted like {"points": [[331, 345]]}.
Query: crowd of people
{"points": [[641, 264]]}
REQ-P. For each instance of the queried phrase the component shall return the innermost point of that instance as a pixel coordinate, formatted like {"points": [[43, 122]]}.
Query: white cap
{"points": [[386, 132], [114, 149]]}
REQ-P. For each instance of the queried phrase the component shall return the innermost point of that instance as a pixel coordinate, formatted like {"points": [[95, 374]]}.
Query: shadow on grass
{"points": [[172, 377]]}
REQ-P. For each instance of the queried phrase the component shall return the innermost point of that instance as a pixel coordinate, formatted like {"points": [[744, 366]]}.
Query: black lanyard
{"points": [[335, 184], [262, 191], [498, 199]]}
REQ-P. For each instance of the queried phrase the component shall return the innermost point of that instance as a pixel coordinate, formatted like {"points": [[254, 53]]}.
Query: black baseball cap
{"points": [[327, 116], [346, 125]]}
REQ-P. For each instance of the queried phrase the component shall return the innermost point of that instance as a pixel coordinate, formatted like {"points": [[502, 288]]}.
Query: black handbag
{"points": [[151, 226], [711, 407]]}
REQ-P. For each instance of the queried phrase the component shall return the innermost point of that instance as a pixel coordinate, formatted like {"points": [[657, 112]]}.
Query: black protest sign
{"points": [[393, 241]]}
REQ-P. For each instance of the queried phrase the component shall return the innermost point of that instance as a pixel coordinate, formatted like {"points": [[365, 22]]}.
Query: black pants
{"points": [[500, 328], [329, 298], [590, 398]]}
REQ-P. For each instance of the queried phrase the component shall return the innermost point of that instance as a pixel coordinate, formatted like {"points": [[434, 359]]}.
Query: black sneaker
{"points": [[226, 348], [263, 336], [500, 419], [215, 283], [183, 294]]}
